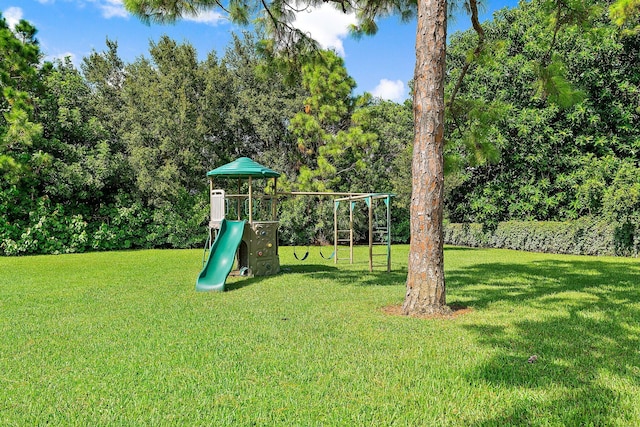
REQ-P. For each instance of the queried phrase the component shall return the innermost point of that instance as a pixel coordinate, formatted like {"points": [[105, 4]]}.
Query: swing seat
{"points": [[327, 257], [300, 258]]}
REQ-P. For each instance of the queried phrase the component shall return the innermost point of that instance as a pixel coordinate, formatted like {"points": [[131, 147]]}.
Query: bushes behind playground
{"points": [[125, 224], [128, 224], [584, 236]]}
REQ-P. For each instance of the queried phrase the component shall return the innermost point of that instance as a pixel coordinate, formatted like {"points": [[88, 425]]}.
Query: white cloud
{"points": [[115, 9], [327, 25], [61, 56], [46, 1], [209, 17], [391, 90], [12, 15], [112, 8]]}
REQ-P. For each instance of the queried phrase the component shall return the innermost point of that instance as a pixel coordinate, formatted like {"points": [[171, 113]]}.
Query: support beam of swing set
{"points": [[368, 199], [320, 193], [352, 198]]}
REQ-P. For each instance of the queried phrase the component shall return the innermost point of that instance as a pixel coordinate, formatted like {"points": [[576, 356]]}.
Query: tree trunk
{"points": [[425, 280]]}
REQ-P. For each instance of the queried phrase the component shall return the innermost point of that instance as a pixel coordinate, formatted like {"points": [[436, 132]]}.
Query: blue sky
{"points": [[382, 64]]}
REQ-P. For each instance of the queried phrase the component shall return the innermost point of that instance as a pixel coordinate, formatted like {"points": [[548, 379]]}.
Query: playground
{"points": [[121, 338], [249, 239]]}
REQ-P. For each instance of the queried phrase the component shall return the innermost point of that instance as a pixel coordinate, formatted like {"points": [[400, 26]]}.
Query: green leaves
{"points": [[239, 12], [564, 91], [329, 137], [19, 55], [626, 14], [160, 11], [553, 85]]}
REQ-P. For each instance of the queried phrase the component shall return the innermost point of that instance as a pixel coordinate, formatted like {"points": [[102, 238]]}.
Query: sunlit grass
{"points": [[123, 338]]}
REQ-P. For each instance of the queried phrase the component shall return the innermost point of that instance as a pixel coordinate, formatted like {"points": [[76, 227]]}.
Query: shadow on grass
{"points": [[239, 284], [528, 282], [343, 276], [580, 318], [284, 269], [460, 248], [307, 268]]}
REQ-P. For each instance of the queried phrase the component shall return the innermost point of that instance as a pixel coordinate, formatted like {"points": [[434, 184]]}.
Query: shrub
{"points": [[49, 231], [53, 228], [584, 236], [123, 225]]}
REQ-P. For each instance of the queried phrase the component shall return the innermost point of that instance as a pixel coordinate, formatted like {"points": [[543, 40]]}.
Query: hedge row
{"points": [[585, 236]]}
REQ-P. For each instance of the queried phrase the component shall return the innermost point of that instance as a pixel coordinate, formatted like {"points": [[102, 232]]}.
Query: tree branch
{"points": [[547, 57], [473, 5], [222, 7]]}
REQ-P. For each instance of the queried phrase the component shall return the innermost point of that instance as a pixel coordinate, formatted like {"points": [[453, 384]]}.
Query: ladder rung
{"points": [[343, 231], [344, 240]]}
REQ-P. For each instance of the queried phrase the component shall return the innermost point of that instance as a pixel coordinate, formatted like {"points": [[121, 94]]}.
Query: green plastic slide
{"points": [[221, 257]]}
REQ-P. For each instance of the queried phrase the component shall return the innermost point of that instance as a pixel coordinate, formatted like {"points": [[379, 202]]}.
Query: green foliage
{"points": [[54, 229], [19, 56], [357, 145], [257, 105], [50, 231], [584, 236], [553, 85], [625, 14], [565, 121], [165, 122], [388, 167], [127, 227], [474, 135], [115, 157], [621, 199], [544, 127], [306, 221], [328, 132]]}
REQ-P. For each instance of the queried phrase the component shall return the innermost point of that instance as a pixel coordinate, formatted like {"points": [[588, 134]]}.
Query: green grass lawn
{"points": [[123, 339]]}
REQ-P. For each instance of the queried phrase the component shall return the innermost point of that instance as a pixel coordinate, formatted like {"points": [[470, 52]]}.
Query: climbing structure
{"points": [[256, 253]]}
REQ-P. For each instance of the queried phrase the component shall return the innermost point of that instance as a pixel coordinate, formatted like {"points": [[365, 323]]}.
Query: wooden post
{"points": [[335, 231], [351, 203], [250, 201], [388, 203], [239, 201], [370, 203], [274, 201], [210, 204]]}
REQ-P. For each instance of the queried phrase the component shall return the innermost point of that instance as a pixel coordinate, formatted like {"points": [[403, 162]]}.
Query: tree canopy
{"points": [[555, 154], [114, 155]]}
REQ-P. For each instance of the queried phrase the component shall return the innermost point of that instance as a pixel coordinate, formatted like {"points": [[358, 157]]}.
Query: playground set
{"points": [[250, 241]]}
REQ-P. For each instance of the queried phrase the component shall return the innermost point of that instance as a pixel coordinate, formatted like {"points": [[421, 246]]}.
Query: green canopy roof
{"points": [[243, 167]]}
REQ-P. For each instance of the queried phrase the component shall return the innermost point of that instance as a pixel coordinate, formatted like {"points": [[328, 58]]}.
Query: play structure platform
{"points": [[252, 244]]}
